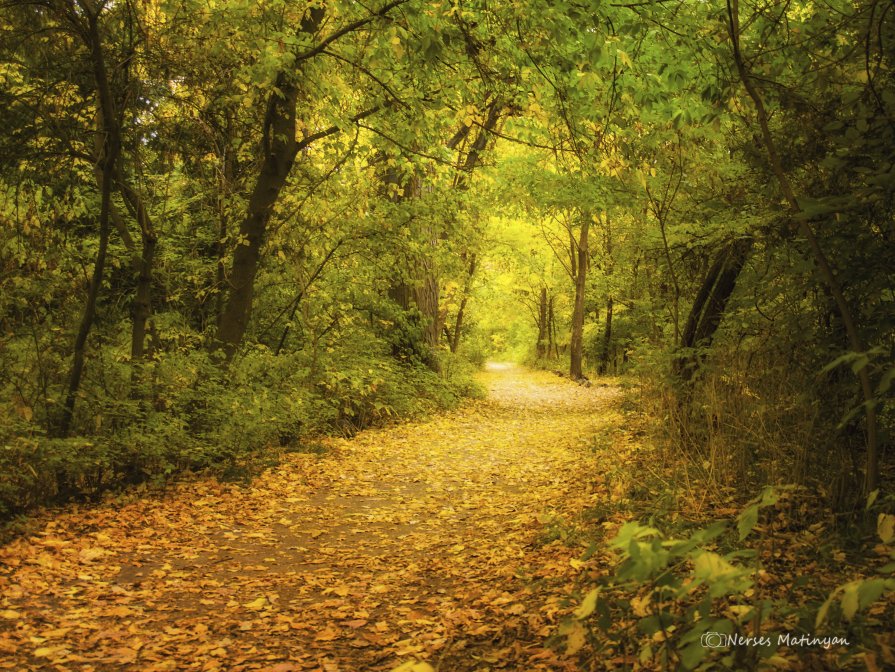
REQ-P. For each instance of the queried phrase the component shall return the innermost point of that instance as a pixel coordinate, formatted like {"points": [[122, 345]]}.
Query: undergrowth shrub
{"points": [[183, 412], [704, 600]]}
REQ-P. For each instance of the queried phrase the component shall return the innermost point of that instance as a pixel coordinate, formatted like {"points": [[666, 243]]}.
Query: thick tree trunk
{"points": [[280, 150], [541, 349], [400, 294], [427, 294], [142, 306], [576, 346], [708, 308], [279, 147]]}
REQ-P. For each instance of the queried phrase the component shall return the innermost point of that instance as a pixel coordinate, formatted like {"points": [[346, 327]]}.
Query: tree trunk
{"points": [[551, 330], [142, 307], [603, 366], [107, 126], [542, 324], [576, 345], [467, 287], [279, 147], [426, 296], [708, 308], [607, 340], [280, 151]]}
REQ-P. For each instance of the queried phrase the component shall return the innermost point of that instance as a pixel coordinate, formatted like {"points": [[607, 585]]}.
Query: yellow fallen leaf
{"points": [[358, 623], [414, 666], [9, 613], [328, 634], [91, 554], [575, 638], [50, 651], [256, 604]]}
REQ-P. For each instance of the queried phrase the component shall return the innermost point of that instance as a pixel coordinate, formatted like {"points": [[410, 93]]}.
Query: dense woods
{"points": [[229, 228]]}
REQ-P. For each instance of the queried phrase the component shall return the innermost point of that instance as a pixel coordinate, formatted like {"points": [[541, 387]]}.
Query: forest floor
{"points": [[451, 541]]}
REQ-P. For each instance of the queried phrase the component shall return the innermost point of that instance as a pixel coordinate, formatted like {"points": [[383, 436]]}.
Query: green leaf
{"points": [[711, 566], [747, 520], [588, 604], [824, 609], [869, 591], [692, 655]]}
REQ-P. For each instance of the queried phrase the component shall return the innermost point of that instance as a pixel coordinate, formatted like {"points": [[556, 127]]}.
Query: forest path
{"points": [[446, 541]]}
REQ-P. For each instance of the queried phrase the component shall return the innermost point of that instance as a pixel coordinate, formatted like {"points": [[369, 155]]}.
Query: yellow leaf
{"points": [[849, 602], [9, 613], [575, 638], [91, 554], [328, 634], [588, 605], [640, 605], [885, 527], [257, 604], [414, 666], [711, 566], [50, 651]]}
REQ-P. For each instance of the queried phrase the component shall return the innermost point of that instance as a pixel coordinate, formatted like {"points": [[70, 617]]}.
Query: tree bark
{"points": [[607, 340], [458, 325], [551, 330], [541, 348], [279, 148], [142, 307], [576, 346], [708, 308], [427, 294]]}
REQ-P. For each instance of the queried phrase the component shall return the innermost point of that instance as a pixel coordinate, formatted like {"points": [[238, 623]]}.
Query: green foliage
{"points": [[192, 416], [695, 602]]}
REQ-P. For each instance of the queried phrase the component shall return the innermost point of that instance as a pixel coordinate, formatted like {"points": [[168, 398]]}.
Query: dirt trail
{"points": [[434, 541]]}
